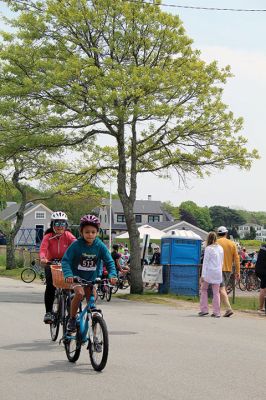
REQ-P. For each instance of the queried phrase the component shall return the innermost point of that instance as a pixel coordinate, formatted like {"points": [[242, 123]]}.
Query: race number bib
{"points": [[87, 263]]}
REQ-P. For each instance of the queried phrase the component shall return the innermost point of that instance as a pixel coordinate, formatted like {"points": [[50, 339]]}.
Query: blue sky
{"points": [[237, 39]]}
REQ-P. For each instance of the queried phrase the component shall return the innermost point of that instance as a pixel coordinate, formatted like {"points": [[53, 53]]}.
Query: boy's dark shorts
{"points": [[226, 278]]}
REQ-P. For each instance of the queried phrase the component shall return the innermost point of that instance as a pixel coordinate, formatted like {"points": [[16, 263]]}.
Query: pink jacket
{"points": [[54, 247]]}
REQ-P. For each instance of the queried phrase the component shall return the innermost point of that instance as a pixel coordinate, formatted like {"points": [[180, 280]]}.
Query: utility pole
{"points": [[110, 218]]}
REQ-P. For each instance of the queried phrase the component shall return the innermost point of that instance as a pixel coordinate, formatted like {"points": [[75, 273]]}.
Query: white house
{"points": [[244, 230], [147, 212], [36, 220]]}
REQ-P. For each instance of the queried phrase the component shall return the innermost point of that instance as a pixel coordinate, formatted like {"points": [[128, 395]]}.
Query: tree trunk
{"points": [[10, 243], [128, 205], [10, 252]]}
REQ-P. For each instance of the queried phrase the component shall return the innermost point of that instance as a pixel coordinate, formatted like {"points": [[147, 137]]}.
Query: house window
{"points": [[121, 218], [138, 218], [40, 214], [153, 218]]}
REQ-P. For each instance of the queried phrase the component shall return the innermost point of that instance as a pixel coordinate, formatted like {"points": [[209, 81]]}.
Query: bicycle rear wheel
{"points": [[242, 284], [99, 348], [56, 311], [28, 275]]}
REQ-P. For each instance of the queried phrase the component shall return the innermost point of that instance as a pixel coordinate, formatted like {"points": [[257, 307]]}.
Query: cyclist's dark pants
{"points": [[50, 289]]}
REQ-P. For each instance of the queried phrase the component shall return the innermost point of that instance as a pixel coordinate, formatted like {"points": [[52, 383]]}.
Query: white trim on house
{"points": [[169, 228], [34, 208]]}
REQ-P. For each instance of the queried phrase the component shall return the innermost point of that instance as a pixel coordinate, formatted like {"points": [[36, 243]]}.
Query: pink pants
{"points": [[215, 299]]}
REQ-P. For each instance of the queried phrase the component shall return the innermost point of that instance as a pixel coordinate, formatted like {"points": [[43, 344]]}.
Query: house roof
{"points": [[177, 224], [140, 207], [10, 212]]}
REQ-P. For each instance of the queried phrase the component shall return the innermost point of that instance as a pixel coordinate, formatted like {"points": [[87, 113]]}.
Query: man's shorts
{"points": [[226, 278], [262, 281]]}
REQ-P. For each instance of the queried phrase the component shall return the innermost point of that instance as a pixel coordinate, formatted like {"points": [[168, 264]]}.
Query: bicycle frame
{"points": [[83, 318]]}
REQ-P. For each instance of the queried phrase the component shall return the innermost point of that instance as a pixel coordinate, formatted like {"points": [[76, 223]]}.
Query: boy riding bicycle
{"points": [[84, 259]]}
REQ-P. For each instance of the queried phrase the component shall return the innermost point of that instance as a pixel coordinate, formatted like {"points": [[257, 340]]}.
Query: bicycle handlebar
{"points": [[84, 282]]}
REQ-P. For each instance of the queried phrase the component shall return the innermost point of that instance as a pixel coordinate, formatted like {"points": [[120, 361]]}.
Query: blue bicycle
{"points": [[91, 330]]}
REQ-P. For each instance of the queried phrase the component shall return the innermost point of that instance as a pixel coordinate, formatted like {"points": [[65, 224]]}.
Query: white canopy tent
{"points": [[154, 233]]}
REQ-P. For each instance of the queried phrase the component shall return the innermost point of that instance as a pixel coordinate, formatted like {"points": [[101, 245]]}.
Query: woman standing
{"points": [[55, 242], [211, 274]]}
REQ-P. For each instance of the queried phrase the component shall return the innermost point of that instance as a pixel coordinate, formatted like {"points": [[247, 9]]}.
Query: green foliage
{"points": [[250, 244], [225, 216], [253, 217], [75, 70], [196, 215], [171, 209]]}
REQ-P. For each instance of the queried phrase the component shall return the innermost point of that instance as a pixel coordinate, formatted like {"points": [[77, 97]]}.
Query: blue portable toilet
{"points": [[180, 257]]}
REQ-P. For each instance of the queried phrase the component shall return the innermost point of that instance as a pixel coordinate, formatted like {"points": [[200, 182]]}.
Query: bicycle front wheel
{"points": [[54, 326], [115, 287], [108, 293], [72, 344], [99, 347], [28, 275]]}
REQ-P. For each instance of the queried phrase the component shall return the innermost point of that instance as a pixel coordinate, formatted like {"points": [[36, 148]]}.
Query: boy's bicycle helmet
{"points": [[90, 220], [59, 215]]}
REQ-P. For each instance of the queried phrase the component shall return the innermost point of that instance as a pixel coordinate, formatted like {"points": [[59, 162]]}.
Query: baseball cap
{"points": [[222, 229]]}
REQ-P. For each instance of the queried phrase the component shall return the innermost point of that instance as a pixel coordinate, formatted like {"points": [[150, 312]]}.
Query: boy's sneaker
{"points": [[261, 312], [97, 345], [215, 315], [71, 325], [48, 318], [202, 314], [228, 313]]}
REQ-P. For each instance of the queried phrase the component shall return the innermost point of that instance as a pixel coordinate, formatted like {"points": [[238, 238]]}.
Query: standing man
{"points": [[230, 257], [260, 269]]}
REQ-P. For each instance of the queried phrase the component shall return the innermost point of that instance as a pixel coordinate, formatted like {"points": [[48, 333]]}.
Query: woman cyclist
{"points": [[84, 259], [55, 242]]}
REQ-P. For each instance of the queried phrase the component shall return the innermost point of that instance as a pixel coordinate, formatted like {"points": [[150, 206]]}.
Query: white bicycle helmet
{"points": [[59, 215]]}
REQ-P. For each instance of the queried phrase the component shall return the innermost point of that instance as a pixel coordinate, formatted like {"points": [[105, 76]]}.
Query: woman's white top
{"points": [[213, 264]]}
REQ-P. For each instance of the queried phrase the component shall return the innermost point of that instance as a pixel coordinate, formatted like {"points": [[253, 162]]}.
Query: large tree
{"points": [[124, 70], [225, 216], [196, 215]]}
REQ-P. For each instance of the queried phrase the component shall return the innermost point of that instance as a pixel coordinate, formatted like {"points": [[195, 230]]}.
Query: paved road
{"points": [[156, 353]]}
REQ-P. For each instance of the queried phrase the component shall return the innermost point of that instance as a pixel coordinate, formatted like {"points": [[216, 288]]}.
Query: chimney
{"points": [[149, 197]]}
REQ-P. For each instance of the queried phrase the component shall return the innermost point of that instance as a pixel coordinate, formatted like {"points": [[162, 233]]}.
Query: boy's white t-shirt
{"points": [[213, 264]]}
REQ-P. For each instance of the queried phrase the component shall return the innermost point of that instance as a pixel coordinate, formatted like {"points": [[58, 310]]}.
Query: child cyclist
{"points": [[54, 244], [84, 259]]}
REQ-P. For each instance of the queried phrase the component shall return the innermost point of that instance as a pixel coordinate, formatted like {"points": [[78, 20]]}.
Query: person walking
{"points": [[211, 275], [260, 269], [231, 258]]}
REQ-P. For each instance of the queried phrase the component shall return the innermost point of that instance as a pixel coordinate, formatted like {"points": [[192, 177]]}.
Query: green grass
{"points": [[241, 303], [11, 273]]}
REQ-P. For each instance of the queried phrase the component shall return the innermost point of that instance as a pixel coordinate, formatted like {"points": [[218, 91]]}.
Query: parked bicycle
{"points": [[91, 330], [231, 284], [248, 280], [104, 289], [30, 273]]}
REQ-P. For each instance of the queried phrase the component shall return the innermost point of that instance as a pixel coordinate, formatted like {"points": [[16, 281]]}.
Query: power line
{"points": [[205, 8]]}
